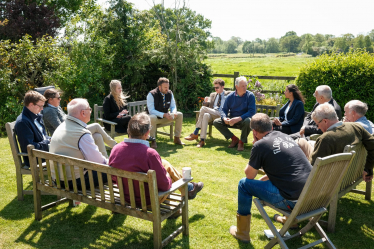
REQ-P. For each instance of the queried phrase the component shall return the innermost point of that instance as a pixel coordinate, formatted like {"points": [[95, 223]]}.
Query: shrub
{"points": [[350, 76]]}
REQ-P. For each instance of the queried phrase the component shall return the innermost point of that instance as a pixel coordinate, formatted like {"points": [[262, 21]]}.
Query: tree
{"points": [[308, 44], [371, 35], [289, 33], [368, 44], [231, 47], [359, 42], [344, 43], [24, 17], [319, 38], [290, 43], [246, 47], [272, 46]]}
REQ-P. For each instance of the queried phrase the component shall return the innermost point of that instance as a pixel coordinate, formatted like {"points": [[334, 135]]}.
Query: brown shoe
{"points": [[240, 146], [197, 187], [154, 145], [234, 143], [242, 229], [201, 144], [192, 137], [177, 140]]}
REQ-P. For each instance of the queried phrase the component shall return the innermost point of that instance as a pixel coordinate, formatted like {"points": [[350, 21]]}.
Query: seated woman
{"points": [[53, 116], [291, 115], [115, 107]]}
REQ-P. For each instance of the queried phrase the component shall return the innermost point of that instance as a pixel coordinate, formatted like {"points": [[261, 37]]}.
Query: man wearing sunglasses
{"points": [[211, 110], [30, 126]]}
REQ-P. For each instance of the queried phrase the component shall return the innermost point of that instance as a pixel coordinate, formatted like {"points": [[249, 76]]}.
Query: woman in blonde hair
{"points": [[115, 107]]}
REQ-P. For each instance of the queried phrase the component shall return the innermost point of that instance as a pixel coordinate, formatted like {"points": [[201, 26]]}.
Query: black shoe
{"points": [[197, 187], [151, 139]]}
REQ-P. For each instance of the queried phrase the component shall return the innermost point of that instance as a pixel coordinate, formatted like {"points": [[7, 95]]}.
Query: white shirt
{"points": [[285, 112], [223, 98]]}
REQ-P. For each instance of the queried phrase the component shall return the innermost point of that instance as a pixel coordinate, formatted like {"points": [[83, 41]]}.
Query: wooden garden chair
{"points": [[322, 185]]}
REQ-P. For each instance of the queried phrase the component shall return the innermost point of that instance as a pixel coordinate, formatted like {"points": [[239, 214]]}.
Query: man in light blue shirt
{"points": [[354, 111], [210, 111], [159, 101]]}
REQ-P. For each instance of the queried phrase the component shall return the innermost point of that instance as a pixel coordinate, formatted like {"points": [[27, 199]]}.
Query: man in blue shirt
{"points": [[159, 100], [210, 111], [354, 111], [237, 112], [30, 126]]}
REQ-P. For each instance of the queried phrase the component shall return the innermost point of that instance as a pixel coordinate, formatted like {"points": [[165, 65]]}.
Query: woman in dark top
{"points": [[291, 115], [115, 107]]}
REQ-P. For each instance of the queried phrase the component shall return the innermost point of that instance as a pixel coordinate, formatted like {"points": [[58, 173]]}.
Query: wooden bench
{"points": [[133, 108], [271, 110], [349, 183], [21, 169], [108, 195]]}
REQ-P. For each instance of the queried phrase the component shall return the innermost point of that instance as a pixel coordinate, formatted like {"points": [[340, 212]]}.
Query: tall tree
{"points": [[24, 17], [246, 47], [272, 45]]}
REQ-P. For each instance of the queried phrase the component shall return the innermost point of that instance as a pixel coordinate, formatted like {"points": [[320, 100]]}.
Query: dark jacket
{"points": [[111, 110], [295, 115], [311, 126], [28, 133]]}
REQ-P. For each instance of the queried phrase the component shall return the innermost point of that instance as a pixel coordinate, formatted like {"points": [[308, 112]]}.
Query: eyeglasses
{"points": [[58, 98], [216, 87], [88, 109], [320, 121], [40, 106]]}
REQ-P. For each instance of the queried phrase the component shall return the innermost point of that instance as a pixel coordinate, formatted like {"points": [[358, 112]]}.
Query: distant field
{"points": [[268, 66]]}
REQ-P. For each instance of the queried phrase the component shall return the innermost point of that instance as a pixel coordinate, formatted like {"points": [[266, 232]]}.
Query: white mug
{"points": [[206, 99], [186, 172]]}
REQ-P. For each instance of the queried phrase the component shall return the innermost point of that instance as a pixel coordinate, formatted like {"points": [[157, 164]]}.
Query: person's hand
{"points": [[234, 120], [254, 139], [277, 122], [227, 121], [264, 178], [168, 116], [366, 178], [302, 131]]}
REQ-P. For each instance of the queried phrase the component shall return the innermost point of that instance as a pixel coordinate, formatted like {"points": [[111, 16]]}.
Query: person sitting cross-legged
{"points": [[286, 168], [135, 155], [209, 112], [241, 105]]}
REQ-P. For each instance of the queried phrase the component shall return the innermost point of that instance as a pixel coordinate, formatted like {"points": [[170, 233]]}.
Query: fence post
{"points": [[236, 75]]}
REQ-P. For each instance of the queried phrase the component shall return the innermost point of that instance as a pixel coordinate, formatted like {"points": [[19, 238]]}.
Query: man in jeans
{"points": [[286, 168]]}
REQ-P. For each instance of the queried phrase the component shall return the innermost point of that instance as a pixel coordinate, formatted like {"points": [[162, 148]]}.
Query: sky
{"points": [[251, 19]]}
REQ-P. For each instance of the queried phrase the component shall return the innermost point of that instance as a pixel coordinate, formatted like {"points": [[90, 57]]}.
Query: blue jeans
{"points": [[264, 190]]}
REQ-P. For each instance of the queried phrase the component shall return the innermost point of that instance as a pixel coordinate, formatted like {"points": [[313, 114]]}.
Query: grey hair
{"points": [[325, 91], [358, 106], [76, 105], [240, 79], [261, 123], [138, 125], [325, 111]]}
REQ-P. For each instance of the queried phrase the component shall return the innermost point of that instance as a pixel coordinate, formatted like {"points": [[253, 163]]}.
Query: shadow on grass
{"points": [[67, 228]]}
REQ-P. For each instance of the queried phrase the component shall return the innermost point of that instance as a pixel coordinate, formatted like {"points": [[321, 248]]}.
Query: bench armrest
{"points": [[176, 185], [106, 121]]}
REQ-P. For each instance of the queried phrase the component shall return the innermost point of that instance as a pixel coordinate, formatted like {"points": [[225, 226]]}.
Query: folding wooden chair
{"points": [[322, 185]]}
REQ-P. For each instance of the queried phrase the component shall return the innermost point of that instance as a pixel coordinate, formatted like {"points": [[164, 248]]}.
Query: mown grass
{"points": [[211, 213]]}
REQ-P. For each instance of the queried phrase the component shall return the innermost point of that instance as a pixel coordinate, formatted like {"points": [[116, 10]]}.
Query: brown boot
{"points": [[177, 140], [154, 145], [240, 146], [192, 137], [242, 228], [201, 144], [234, 142]]}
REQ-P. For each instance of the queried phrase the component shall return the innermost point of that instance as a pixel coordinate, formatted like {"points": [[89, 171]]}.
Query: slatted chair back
{"points": [[136, 107], [323, 182], [270, 110], [18, 160], [357, 167], [107, 194]]}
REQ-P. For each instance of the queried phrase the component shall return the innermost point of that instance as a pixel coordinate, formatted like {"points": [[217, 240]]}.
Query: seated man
{"points": [[283, 162], [323, 94], [336, 135], [354, 111], [241, 105], [159, 100], [209, 112], [72, 138], [29, 125], [134, 155]]}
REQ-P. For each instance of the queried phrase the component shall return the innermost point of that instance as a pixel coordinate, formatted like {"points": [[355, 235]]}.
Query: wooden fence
{"points": [[237, 74]]}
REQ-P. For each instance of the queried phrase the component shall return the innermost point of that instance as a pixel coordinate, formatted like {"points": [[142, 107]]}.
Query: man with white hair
{"points": [[241, 105], [323, 94], [72, 138], [336, 135], [354, 111]]}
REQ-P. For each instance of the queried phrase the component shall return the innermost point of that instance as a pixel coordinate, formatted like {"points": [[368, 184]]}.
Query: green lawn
{"points": [[211, 213]]}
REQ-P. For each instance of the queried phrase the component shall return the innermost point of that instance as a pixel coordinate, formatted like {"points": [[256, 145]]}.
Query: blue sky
{"points": [[250, 19]]}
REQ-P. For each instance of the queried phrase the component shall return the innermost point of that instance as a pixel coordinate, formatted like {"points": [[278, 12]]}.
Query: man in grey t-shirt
{"points": [[283, 162]]}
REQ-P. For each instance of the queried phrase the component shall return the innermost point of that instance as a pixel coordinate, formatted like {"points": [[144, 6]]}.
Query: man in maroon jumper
{"points": [[135, 155]]}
